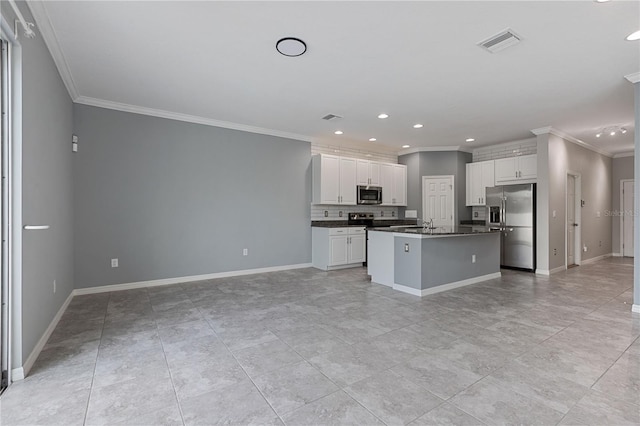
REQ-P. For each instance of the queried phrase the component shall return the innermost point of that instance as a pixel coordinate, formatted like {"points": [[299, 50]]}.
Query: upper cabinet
{"points": [[368, 172], [393, 179], [516, 169], [480, 176], [334, 180]]}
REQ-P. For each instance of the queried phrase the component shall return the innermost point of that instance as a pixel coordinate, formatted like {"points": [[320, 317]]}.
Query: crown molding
{"points": [[434, 149], [187, 118], [552, 131], [43, 23], [633, 77], [624, 154]]}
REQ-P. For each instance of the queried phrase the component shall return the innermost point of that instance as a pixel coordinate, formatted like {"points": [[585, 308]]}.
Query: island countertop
{"points": [[420, 232]]}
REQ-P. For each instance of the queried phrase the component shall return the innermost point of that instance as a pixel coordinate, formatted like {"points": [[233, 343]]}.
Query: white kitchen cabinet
{"points": [[393, 179], [336, 248], [516, 169], [368, 172], [480, 176], [334, 180]]}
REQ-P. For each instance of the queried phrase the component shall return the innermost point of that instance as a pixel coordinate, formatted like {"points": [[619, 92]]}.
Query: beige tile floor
{"points": [[307, 347]]}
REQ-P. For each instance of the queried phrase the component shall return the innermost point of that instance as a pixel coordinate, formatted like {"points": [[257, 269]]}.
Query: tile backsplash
{"points": [[479, 213], [317, 212], [384, 157], [505, 150]]}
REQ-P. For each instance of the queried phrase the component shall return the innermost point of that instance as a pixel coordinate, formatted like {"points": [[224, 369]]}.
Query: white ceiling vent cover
{"points": [[330, 117], [500, 41]]}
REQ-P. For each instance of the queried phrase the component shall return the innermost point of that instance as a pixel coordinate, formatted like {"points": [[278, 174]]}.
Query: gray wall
{"points": [[595, 171], [47, 118], [434, 164], [174, 199], [432, 262], [622, 169]]}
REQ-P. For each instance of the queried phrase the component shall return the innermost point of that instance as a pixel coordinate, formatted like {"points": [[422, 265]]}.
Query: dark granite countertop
{"points": [[376, 222], [440, 232], [473, 222]]}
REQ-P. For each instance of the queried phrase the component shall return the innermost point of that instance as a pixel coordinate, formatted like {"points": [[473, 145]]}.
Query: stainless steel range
{"points": [[366, 220]]}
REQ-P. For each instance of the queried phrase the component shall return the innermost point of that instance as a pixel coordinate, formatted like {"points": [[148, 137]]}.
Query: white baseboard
{"points": [[17, 374], [445, 287], [616, 254], [548, 272], [409, 290], [595, 259], [33, 356], [635, 308], [178, 280]]}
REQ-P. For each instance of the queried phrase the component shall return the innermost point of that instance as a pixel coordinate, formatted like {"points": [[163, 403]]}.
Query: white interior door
{"points": [[571, 220], [627, 218], [437, 200]]}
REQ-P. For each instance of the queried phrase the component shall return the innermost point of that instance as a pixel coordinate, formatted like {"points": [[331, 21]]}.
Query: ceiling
{"points": [[216, 62]]}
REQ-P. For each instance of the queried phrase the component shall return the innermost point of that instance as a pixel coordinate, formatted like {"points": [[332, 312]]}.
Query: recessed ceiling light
{"points": [[406, 146], [612, 133], [383, 115], [338, 132], [469, 140], [417, 126], [291, 46], [601, 1], [623, 131], [633, 37], [372, 139], [598, 135]]}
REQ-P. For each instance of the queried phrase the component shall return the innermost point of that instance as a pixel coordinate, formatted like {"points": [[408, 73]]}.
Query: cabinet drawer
{"points": [[355, 231], [338, 231]]}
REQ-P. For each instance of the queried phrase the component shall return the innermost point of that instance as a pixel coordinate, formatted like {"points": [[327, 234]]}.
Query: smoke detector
{"points": [[500, 41], [330, 117]]}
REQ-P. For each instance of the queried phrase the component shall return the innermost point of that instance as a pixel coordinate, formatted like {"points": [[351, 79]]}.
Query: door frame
{"points": [[12, 209], [577, 237], [623, 215], [454, 213]]}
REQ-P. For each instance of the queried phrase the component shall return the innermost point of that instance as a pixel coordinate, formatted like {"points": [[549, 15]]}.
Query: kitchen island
{"points": [[420, 261]]}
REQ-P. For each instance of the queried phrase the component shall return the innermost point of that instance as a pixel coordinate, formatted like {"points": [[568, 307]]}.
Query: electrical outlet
{"points": [[600, 244], [555, 252], [382, 214], [114, 263], [473, 258], [54, 286], [340, 213], [584, 249], [245, 252], [475, 214], [393, 214], [406, 247], [326, 213]]}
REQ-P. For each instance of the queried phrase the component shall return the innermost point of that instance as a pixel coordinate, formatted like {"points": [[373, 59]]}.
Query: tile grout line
{"points": [[95, 366], [245, 371], [340, 388], [173, 386]]}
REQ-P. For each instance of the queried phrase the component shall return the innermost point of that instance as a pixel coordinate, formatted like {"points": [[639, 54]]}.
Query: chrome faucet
{"points": [[428, 224]]}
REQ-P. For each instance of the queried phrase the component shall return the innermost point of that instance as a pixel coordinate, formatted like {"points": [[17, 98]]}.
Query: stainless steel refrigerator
{"points": [[511, 209]]}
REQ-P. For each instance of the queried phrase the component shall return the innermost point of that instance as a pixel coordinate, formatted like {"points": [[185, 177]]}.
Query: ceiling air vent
{"points": [[331, 117], [500, 41]]}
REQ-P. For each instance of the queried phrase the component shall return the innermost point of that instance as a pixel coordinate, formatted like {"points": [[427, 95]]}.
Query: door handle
{"points": [[35, 227]]}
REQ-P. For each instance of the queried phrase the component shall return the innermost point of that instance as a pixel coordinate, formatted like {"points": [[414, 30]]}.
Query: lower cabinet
{"points": [[335, 248]]}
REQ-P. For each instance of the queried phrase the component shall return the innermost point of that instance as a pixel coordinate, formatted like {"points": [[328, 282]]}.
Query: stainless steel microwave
{"points": [[369, 194]]}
